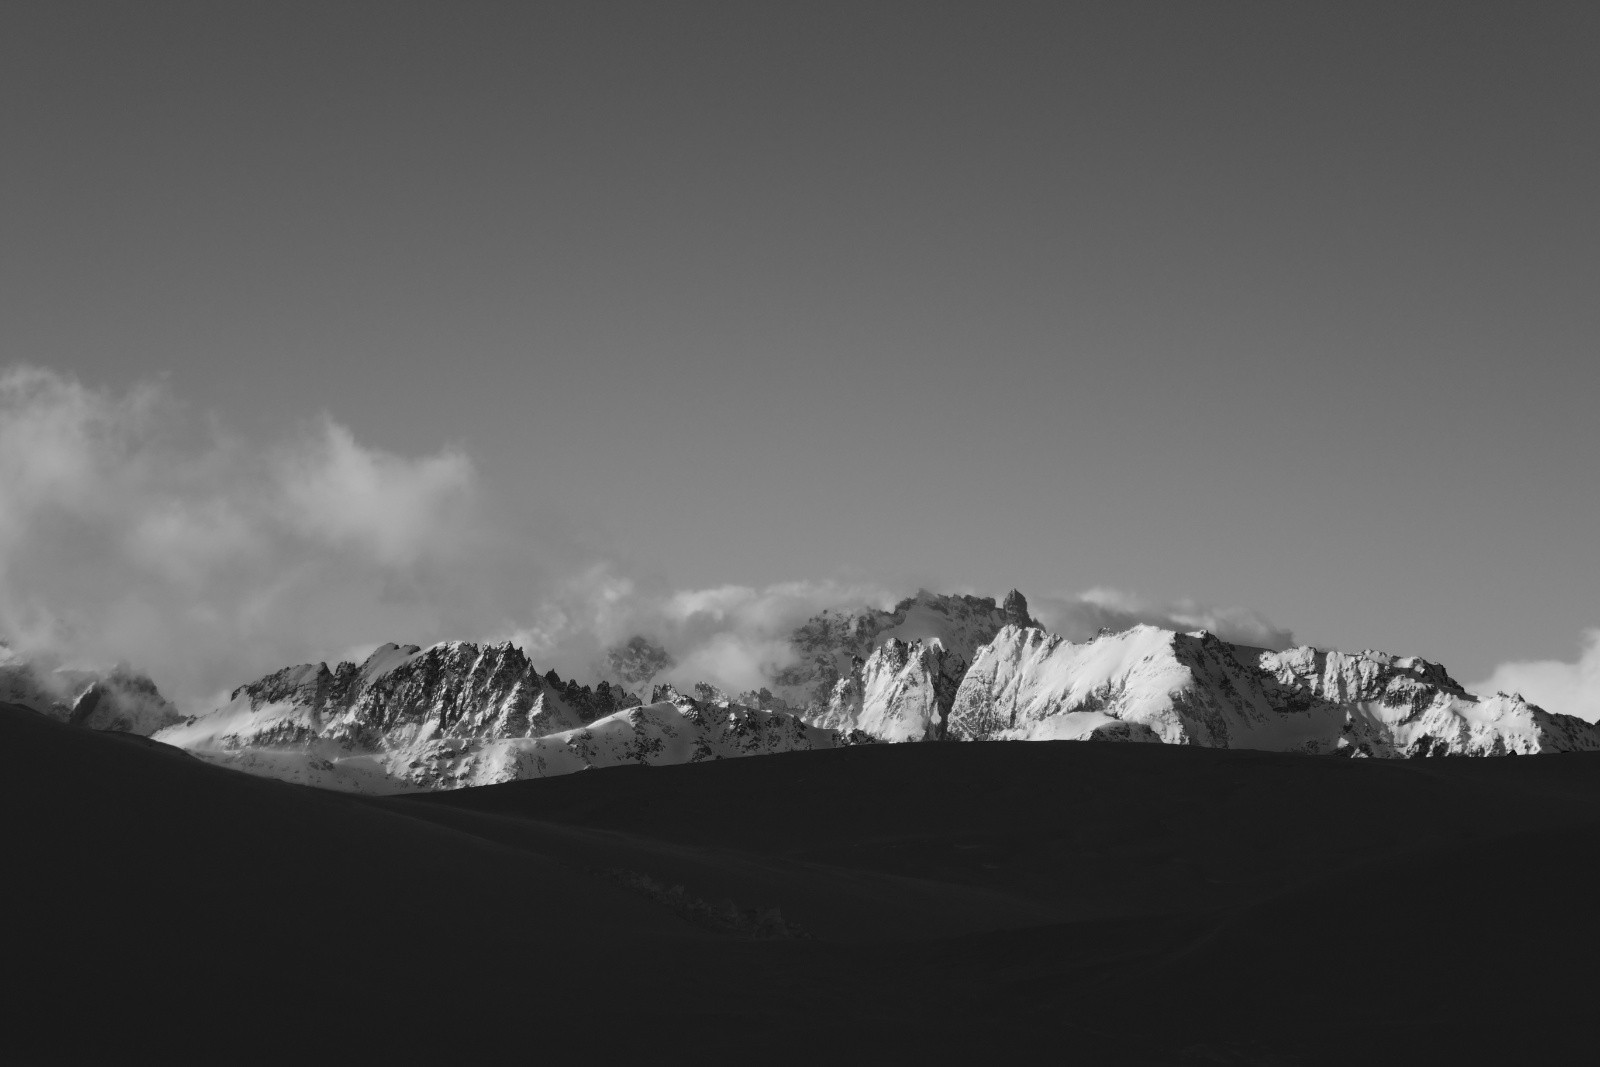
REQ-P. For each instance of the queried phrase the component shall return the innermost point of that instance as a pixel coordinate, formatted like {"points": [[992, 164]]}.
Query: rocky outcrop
{"points": [[835, 683], [1015, 609]]}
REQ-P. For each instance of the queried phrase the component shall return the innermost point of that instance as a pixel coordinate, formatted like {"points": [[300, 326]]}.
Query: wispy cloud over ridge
{"points": [[1080, 617], [1571, 688]]}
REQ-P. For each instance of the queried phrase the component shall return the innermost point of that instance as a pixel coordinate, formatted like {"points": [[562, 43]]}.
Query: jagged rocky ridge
{"points": [[461, 714], [119, 699]]}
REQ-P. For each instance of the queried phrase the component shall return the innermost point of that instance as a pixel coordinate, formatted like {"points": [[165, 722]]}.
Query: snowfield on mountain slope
{"points": [[659, 733]]}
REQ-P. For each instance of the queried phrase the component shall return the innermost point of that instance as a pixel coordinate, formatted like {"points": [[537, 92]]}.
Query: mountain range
{"points": [[1197, 898], [933, 668]]}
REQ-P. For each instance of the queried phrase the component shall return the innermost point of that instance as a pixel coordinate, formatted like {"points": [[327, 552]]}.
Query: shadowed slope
{"points": [[1131, 904], [1088, 829], [151, 897]]}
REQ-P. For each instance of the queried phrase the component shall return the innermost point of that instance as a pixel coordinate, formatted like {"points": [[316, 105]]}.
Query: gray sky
{"points": [[1286, 306]]}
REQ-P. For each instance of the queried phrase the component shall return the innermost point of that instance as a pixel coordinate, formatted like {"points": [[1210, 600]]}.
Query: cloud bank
{"points": [[1080, 617], [132, 530], [1570, 688], [135, 530]]}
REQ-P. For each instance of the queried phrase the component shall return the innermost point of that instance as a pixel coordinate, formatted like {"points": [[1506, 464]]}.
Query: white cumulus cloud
{"points": [[397, 509], [130, 529]]}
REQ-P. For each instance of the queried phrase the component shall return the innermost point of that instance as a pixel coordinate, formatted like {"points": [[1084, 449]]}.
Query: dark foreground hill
{"points": [[1101, 903]]}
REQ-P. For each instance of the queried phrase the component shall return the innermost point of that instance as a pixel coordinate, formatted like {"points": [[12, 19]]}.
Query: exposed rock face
{"points": [[462, 714], [637, 661], [838, 647], [1197, 689], [120, 699], [1015, 608], [901, 693]]}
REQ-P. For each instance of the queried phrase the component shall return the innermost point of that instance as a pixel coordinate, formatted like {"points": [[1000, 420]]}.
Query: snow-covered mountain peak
{"points": [[901, 692], [1194, 688], [386, 658]]}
